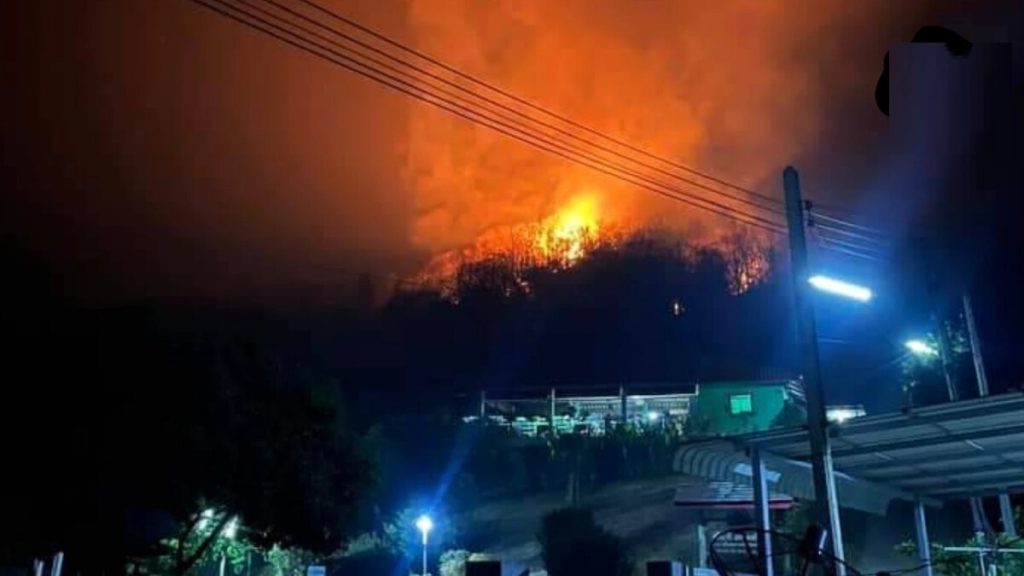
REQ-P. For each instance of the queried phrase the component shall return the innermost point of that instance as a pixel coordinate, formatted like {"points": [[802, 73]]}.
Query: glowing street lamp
{"points": [[840, 288], [921, 348], [424, 524]]}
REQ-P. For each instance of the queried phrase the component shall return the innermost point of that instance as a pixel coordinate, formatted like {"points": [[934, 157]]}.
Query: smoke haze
{"points": [[161, 150]]}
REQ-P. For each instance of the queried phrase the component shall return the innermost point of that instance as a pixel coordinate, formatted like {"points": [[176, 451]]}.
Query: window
{"points": [[740, 404]]}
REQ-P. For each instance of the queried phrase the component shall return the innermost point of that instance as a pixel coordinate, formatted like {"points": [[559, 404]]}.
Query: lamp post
{"points": [[424, 524]]}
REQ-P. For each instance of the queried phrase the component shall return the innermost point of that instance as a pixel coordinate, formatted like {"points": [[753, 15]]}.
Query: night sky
{"points": [[158, 150]]}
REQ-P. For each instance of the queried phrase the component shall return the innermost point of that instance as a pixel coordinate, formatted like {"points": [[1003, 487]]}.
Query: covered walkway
{"points": [[927, 456]]}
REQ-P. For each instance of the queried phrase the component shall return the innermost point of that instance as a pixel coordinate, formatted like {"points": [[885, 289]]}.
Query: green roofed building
{"points": [[705, 409], [727, 408]]}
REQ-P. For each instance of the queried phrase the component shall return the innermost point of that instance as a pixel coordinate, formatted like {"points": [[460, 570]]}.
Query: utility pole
{"points": [[826, 508], [972, 333], [1005, 506]]}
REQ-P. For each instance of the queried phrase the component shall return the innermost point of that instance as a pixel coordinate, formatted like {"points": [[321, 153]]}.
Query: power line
{"points": [[424, 95], [503, 121], [851, 245], [531, 105], [848, 224], [500, 105], [846, 233], [837, 246]]}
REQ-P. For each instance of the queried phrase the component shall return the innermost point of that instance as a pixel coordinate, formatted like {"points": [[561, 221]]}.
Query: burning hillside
{"points": [[576, 230], [672, 81]]}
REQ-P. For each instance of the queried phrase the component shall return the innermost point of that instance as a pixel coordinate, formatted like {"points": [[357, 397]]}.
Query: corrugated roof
{"points": [[723, 494], [949, 451], [724, 460]]}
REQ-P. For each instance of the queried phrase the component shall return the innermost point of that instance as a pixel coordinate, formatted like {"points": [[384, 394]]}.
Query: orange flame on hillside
{"points": [[676, 81], [558, 241], [571, 233], [565, 236]]}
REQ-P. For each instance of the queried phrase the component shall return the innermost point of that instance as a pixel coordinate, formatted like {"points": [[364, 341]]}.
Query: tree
{"points": [[271, 446], [154, 419]]}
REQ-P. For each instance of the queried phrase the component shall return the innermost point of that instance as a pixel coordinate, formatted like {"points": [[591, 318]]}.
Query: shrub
{"points": [[453, 562], [572, 544]]}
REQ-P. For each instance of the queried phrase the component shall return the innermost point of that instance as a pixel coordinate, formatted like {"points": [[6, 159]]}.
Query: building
{"points": [[705, 409]]}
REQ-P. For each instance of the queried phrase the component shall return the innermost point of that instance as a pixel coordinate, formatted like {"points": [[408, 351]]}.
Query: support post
{"points": [[839, 549], [924, 545], [58, 564], [762, 511], [824, 491], [483, 406], [552, 410], [1006, 512], [623, 409], [982, 379]]}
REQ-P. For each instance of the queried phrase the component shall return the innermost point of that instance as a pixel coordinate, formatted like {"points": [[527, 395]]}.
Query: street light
{"points": [[921, 348], [841, 288], [424, 524]]}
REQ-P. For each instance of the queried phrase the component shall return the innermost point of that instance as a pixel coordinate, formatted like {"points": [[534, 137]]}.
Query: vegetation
{"points": [[961, 564], [166, 423], [311, 428], [572, 544], [923, 377]]}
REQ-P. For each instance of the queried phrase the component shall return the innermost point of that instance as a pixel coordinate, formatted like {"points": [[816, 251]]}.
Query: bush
{"points": [[955, 564], [453, 562], [573, 544]]}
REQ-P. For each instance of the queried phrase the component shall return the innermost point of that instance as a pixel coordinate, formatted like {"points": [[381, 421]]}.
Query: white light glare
{"points": [[653, 416], [424, 524], [231, 529], [841, 288], [921, 348], [840, 415]]}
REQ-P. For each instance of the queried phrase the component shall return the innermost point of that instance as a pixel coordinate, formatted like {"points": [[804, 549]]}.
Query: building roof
{"points": [[935, 453], [725, 495]]}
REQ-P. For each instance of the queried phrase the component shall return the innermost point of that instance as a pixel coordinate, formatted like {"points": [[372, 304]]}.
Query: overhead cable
{"points": [[520, 100], [597, 163], [773, 206]]}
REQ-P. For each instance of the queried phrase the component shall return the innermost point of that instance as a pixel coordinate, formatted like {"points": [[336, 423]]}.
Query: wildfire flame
{"points": [[565, 237]]}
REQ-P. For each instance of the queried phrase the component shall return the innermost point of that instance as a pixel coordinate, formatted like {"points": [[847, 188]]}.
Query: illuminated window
{"points": [[740, 404]]}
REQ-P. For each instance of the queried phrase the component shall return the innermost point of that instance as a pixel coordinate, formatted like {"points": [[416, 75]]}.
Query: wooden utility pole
{"points": [[826, 508]]}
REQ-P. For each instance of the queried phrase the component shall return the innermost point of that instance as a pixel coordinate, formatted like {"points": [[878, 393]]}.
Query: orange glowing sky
{"points": [[161, 150]]}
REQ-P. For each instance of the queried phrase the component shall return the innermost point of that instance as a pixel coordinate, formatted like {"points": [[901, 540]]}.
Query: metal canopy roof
{"points": [[949, 451], [723, 461]]}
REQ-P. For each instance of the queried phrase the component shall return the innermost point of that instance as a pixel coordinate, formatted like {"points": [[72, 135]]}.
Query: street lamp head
{"points": [[921, 348], [424, 524], [653, 416], [840, 288]]}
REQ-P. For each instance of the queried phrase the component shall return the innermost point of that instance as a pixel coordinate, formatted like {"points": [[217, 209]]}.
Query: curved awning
{"points": [[724, 460], [931, 454], [944, 452]]}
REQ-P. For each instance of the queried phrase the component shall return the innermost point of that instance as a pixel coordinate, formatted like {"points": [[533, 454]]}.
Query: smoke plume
{"points": [[737, 88]]}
